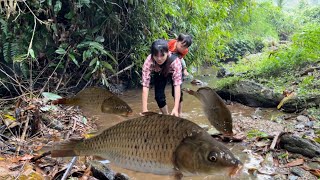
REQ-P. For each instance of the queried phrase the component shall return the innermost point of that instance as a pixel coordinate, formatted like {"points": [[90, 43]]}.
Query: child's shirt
{"points": [[150, 66], [172, 48]]}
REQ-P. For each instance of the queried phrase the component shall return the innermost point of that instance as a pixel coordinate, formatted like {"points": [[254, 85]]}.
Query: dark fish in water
{"points": [[214, 108], [94, 98], [158, 144]]}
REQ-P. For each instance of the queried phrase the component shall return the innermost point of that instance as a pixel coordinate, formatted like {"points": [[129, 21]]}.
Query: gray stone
{"points": [[299, 145], [297, 171], [292, 177], [309, 124], [302, 118], [299, 126]]}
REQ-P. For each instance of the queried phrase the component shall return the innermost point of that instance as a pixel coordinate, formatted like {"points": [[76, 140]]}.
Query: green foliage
{"points": [[256, 134], [225, 82]]}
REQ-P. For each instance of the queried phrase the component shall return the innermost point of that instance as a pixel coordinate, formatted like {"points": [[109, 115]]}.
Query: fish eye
{"points": [[212, 157]]}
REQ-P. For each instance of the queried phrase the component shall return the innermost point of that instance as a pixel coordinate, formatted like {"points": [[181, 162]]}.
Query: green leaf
{"points": [[61, 51], [57, 6], [96, 67], [71, 56], [86, 54], [93, 61], [99, 39], [84, 120], [70, 15], [19, 58], [107, 65], [31, 52], [50, 96], [49, 2]]}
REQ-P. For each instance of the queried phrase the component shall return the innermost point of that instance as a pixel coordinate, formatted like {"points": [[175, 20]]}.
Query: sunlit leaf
{"points": [[93, 61], [100, 39], [317, 139], [10, 117], [60, 51], [71, 56], [31, 52], [57, 6], [107, 65]]}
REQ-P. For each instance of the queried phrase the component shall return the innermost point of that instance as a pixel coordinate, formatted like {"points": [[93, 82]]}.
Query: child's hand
{"points": [[185, 72]]}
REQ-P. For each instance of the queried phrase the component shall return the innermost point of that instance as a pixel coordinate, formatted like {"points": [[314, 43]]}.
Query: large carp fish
{"points": [[158, 144], [214, 109], [96, 98]]}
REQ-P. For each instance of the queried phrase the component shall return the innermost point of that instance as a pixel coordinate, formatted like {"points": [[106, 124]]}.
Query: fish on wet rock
{"points": [[98, 98], [214, 109], [158, 144]]}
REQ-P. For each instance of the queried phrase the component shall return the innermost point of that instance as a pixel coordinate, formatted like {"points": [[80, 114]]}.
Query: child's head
{"points": [[183, 42], [159, 51]]}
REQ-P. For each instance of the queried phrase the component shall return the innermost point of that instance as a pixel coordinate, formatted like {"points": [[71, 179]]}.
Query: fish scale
{"points": [[148, 144]]}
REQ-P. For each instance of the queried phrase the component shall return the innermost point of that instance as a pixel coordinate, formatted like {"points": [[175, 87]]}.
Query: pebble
{"points": [[292, 177], [299, 126], [297, 171], [302, 118]]}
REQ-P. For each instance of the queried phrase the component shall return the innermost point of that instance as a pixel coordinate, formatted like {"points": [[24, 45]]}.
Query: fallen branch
{"points": [[128, 67], [65, 175], [23, 133], [275, 141]]}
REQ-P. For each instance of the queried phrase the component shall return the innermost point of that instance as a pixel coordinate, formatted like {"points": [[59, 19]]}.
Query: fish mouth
{"points": [[235, 170]]}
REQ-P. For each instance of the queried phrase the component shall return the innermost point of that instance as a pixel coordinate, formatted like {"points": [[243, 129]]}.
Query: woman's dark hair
{"points": [[185, 39], [159, 46]]}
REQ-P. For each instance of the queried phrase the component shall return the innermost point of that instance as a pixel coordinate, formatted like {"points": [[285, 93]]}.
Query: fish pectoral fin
{"points": [[178, 175]]}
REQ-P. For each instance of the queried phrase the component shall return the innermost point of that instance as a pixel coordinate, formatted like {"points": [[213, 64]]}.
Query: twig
{"points": [[44, 86], [128, 67], [24, 132], [30, 47], [275, 139], [21, 170], [34, 14], [65, 175]]}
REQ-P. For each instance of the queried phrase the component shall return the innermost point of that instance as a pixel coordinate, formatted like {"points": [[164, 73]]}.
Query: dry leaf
{"points": [[296, 162]]}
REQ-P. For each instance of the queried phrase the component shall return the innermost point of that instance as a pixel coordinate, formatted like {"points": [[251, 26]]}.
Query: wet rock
{"points": [[280, 177], [297, 171], [254, 94], [310, 124], [299, 126], [102, 171], [292, 177], [313, 165], [251, 94], [302, 118], [298, 104], [299, 145]]}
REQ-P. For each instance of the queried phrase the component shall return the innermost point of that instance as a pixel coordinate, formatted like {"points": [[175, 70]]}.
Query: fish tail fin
{"points": [[60, 101], [65, 149]]}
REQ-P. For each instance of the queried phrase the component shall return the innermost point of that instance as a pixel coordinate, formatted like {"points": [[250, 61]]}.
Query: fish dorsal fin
{"points": [[149, 113]]}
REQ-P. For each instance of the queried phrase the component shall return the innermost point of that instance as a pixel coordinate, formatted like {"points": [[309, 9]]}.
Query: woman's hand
{"points": [[175, 112]]}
